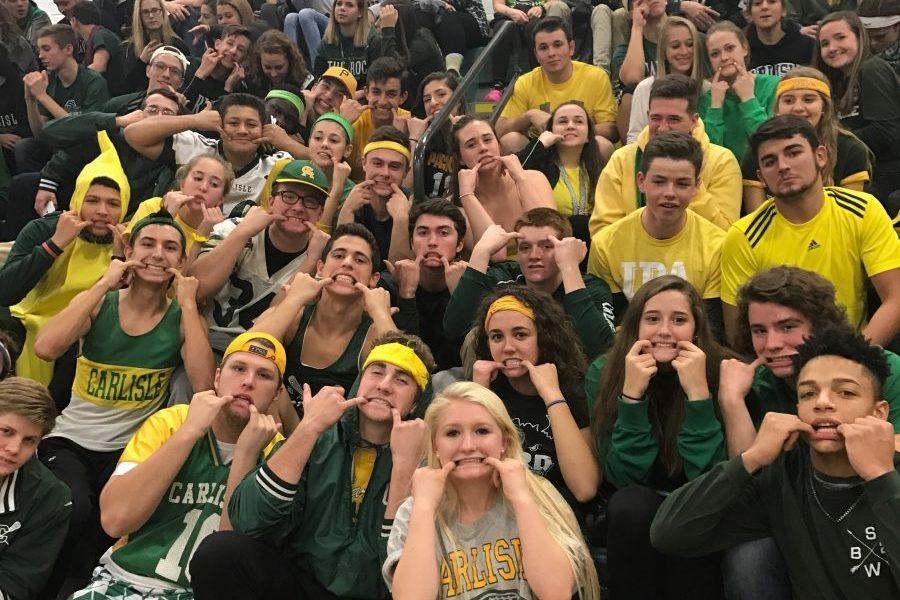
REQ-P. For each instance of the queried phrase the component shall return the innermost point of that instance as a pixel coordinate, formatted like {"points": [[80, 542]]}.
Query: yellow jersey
{"points": [[849, 239]]}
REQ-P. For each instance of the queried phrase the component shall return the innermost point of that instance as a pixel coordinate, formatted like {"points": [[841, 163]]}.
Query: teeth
{"points": [[512, 362], [663, 345]]}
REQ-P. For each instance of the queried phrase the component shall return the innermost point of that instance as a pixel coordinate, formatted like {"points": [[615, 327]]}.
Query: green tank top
{"points": [[120, 379], [342, 371]]}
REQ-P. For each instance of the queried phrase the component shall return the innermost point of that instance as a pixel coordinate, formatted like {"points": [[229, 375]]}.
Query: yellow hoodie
{"points": [[718, 196], [79, 267]]}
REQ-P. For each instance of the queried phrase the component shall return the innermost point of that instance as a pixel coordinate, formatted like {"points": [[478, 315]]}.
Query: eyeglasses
{"points": [[162, 68], [151, 12], [156, 110], [291, 198]]}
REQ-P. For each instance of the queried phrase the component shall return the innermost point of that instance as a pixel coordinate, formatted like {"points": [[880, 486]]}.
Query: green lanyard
{"points": [[638, 159]]}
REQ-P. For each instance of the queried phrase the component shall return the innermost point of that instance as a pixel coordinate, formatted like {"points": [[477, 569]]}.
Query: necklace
{"points": [[812, 486]]}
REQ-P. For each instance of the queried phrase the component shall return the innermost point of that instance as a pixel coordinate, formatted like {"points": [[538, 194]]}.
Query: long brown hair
{"points": [[829, 126], [844, 88], [665, 397], [276, 42]]}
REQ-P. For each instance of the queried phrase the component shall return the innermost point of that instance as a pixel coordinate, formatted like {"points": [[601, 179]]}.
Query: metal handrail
{"points": [[443, 115]]}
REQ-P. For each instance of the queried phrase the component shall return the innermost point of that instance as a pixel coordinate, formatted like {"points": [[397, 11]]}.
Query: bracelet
{"points": [[632, 398], [49, 246], [467, 194], [555, 402]]}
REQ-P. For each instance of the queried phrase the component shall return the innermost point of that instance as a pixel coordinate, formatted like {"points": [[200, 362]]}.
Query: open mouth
{"points": [[344, 278], [826, 430], [379, 401], [669, 205], [664, 345], [780, 361], [475, 460], [155, 268], [512, 363]]}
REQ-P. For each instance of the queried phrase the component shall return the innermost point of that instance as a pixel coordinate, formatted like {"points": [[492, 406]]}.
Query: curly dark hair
{"points": [[666, 404], [841, 339], [808, 293], [557, 341]]}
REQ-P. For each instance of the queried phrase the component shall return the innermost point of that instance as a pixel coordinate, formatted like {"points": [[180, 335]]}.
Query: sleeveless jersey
{"points": [[342, 371], [157, 555], [250, 287], [120, 379]]}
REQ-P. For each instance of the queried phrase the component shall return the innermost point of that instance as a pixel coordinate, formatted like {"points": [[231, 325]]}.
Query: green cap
{"points": [[306, 173]]}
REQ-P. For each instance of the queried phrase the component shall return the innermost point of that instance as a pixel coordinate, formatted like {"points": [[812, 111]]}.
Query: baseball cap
{"points": [[245, 343], [171, 51], [306, 173], [343, 76]]}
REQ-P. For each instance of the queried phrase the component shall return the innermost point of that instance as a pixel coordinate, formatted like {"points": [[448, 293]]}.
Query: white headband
{"points": [[171, 51]]}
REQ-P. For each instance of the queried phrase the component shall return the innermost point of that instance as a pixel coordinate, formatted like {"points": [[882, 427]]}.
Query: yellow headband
{"points": [[401, 357], [387, 145], [244, 343], [507, 303], [803, 83]]}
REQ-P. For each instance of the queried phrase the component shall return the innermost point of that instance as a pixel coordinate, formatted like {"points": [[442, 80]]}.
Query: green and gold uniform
{"points": [[120, 379], [152, 562]]}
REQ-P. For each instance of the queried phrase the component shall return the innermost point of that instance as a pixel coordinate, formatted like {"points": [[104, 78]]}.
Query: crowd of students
{"points": [[636, 342]]}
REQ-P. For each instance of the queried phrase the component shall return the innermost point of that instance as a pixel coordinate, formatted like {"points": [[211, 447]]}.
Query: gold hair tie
{"points": [[507, 303], [803, 83], [387, 145]]}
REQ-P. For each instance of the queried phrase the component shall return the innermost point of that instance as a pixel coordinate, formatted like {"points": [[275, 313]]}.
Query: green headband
{"points": [[330, 116], [161, 217], [294, 99]]}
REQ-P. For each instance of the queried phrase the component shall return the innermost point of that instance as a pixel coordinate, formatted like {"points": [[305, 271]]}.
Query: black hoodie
{"points": [[790, 51]]}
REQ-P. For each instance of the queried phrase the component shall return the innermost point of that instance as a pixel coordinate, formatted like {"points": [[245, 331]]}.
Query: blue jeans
{"points": [[306, 26], [755, 570]]}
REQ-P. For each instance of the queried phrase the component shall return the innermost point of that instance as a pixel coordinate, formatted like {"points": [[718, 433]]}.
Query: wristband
{"points": [[632, 398], [555, 402], [51, 249]]}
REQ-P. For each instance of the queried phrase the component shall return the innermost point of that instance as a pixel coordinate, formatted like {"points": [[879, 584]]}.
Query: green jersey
{"points": [[157, 555]]}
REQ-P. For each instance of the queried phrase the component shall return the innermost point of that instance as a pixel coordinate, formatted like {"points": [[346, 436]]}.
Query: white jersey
{"points": [[248, 291], [248, 182]]}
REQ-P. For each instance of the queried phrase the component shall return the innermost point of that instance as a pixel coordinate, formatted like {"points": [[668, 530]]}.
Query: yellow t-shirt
{"points": [[362, 131], [626, 256], [588, 84], [851, 238], [561, 193], [363, 464]]}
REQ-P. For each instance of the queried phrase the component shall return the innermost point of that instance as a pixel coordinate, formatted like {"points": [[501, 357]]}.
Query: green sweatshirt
{"points": [[28, 261], [74, 138], [590, 308], [733, 124], [629, 455], [313, 521], [772, 394], [856, 558]]}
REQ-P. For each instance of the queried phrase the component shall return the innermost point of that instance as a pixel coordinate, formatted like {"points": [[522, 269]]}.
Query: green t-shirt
{"points": [[88, 92], [618, 57], [106, 39], [733, 124]]}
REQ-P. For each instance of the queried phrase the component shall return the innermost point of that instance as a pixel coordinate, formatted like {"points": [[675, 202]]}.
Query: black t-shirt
{"points": [[380, 229], [275, 258], [777, 59], [529, 413], [852, 159], [431, 307]]}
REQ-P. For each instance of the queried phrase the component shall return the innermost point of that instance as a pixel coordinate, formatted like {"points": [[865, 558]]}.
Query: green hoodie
{"points": [[313, 522], [33, 21]]}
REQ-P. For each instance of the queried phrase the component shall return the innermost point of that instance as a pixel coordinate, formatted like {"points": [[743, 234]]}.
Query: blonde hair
{"points": [[30, 400], [662, 65], [139, 37], [829, 127], [557, 515], [227, 179], [332, 33]]}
